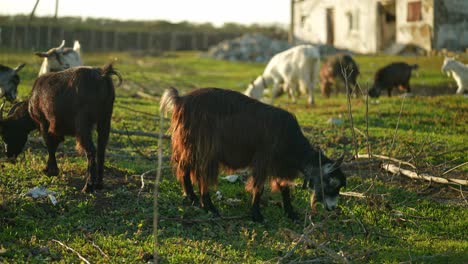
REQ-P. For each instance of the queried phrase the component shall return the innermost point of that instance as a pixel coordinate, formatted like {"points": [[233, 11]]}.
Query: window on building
{"points": [[353, 20], [414, 11], [303, 20]]}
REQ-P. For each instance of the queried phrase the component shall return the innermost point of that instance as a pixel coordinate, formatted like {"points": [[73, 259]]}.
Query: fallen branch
{"points": [[142, 94], [367, 156], [353, 194], [138, 133], [137, 111], [456, 167], [72, 250], [191, 221], [142, 177], [413, 175], [98, 248]]}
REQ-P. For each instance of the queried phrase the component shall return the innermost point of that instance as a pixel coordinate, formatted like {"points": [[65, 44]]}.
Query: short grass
{"points": [[400, 220]]}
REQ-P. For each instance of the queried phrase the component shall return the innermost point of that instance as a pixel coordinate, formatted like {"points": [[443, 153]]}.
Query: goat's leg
{"points": [[291, 88], [287, 206], [206, 177], [205, 200], [307, 86], [255, 211], [103, 129], [188, 188], [84, 139], [276, 91], [52, 143]]}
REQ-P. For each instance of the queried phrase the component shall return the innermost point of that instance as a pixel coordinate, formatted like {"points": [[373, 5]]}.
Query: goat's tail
{"points": [[169, 99], [108, 71]]}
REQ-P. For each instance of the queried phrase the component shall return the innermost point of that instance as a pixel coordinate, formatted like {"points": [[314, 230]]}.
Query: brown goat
{"points": [[70, 102], [335, 69], [213, 127]]}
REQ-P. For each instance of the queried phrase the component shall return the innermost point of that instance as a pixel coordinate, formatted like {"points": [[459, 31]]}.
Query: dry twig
{"points": [[411, 174], [72, 250], [139, 133], [367, 156]]}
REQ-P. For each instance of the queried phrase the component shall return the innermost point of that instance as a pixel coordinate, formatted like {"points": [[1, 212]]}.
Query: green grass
{"points": [[401, 220]]}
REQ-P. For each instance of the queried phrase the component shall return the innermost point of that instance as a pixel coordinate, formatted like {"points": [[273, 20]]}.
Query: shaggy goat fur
{"points": [[213, 127]]}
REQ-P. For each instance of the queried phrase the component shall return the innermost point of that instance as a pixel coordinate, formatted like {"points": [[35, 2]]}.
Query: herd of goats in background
{"points": [[208, 124]]}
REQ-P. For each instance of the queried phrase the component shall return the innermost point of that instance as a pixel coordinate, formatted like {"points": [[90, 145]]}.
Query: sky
{"points": [[215, 11]]}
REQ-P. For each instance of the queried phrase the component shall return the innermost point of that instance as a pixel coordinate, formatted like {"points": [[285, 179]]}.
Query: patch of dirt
{"points": [[433, 90]]}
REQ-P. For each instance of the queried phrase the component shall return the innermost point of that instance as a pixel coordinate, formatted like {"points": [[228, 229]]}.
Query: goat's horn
{"points": [[61, 45], [1, 110], [17, 69]]}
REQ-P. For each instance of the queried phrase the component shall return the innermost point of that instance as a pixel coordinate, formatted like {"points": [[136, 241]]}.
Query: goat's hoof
{"points": [[293, 215], [51, 171], [190, 201], [99, 186], [88, 188], [257, 217]]}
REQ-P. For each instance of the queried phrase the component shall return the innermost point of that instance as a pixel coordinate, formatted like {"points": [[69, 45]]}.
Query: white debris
{"points": [[38, 192], [219, 196], [231, 178], [335, 121]]}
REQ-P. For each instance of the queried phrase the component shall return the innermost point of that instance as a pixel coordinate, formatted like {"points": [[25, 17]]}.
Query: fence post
{"points": [[150, 40], [205, 41], [116, 40], [139, 40], [194, 42], [49, 36], [62, 34], [93, 40], [104, 41], [173, 44], [38, 37]]}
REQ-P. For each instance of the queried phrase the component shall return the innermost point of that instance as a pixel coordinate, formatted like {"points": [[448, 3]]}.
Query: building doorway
{"points": [[386, 24], [330, 26]]}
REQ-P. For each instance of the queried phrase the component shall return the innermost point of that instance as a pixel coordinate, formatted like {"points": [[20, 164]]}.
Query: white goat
{"points": [[293, 71], [458, 71], [60, 58]]}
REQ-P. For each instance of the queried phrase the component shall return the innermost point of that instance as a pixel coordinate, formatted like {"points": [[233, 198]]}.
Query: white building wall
{"points": [[419, 33], [311, 26]]}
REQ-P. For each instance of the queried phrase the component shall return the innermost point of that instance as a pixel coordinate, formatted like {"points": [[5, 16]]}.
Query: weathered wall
{"points": [[419, 33], [310, 23], [451, 24]]}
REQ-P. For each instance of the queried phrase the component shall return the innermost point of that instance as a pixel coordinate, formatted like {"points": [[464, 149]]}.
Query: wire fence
{"points": [[40, 38]]}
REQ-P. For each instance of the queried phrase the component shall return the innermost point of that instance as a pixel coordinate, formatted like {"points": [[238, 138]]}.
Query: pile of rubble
{"points": [[249, 47], [259, 48]]}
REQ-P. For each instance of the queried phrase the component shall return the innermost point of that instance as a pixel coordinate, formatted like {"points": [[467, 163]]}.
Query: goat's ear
{"points": [[17, 69], [42, 54]]}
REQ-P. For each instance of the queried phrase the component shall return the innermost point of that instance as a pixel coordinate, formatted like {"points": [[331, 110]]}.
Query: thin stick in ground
{"points": [[72, 250], [156, 190]]}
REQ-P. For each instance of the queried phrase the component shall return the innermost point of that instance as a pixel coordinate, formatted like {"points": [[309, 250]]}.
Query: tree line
{"points": [[106, 24]]}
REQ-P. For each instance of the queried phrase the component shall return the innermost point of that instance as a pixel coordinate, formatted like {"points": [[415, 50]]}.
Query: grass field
{"points": [[400, 220]]}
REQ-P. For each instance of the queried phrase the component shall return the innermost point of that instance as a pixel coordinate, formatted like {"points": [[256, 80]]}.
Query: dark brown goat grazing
{"points": [[213, 127], [395, 74], [69, 102], [336, 68]]}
